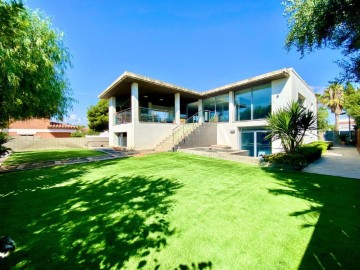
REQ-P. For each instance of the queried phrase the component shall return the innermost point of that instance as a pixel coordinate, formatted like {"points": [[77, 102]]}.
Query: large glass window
{"points": [[261, 101], [253, 103], [243, 105], [216, 109], [222, 107]]}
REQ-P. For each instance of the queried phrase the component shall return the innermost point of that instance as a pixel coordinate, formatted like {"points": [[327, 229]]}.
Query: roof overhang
{"points": [[254, 81], [121, 86]]}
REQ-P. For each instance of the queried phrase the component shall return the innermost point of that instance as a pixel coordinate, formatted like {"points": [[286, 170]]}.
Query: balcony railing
{"points": [[145, 115], [155, 115], [123, 117]]}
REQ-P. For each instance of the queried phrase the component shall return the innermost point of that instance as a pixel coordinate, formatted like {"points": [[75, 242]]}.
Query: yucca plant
{"points": [[290, 124]]}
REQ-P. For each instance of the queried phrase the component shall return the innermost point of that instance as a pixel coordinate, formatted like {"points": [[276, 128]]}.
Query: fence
{"points": [[32, 143]]}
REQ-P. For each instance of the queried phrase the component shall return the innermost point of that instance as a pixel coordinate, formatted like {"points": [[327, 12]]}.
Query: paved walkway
{"points": [[339, 161]]}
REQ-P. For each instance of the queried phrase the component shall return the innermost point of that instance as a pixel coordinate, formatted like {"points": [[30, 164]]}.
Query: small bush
{"points": [[313, 151], [295, 161], [92, 132], [329, 144], [4, 138], [323, 145], [77, 133]]}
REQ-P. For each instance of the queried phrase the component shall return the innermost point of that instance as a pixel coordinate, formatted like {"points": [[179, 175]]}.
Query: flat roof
{"points": [[123, 82], [125, 79]]}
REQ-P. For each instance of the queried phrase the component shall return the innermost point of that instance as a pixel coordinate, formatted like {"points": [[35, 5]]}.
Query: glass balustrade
{"points": [[156, 116], [123, 117]]}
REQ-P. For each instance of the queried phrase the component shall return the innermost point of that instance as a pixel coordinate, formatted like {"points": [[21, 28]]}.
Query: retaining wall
{"points": [[28, 143]]}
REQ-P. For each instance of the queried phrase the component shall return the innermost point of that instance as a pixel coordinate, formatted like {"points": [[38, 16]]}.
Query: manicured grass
{"points": [[18, 158], [173, 211]]}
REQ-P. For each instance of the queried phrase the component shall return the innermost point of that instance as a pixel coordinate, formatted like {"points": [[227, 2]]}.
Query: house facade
{"points": [[145, 113], [40, 128]]}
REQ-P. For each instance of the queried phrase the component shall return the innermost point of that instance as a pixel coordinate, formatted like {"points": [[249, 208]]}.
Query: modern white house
{"points": [[145, 113]]}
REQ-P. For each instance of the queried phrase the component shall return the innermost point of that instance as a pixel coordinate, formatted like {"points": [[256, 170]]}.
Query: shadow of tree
{"points": [[76, 224], [334, 202], [195, 266]]}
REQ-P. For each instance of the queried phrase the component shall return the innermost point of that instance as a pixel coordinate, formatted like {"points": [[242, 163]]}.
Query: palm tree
{"points": [[333, 98]]}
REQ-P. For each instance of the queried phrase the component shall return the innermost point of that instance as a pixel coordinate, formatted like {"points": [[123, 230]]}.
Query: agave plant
{"points": [[290, 124]]}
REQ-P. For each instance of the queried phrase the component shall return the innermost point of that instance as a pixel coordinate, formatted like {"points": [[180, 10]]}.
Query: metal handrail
{"points": [[182, 125], [128, 109], [123, 116], [155, 109]]}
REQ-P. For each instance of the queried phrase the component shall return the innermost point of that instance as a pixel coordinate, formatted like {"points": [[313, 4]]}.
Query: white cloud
{"points": [[73, 119]]}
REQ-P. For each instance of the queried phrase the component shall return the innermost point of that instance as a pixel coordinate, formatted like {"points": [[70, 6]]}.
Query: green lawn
{"points": [[173, 211], [18, 158]]}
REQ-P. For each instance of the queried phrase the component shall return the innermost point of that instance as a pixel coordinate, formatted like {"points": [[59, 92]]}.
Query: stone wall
{"points": [[28, 143]]}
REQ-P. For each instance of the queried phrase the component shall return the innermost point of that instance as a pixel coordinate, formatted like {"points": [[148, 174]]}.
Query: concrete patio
{"points": [[338, 161]]}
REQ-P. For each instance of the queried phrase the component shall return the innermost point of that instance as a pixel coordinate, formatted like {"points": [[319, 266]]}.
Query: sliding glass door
{"points": [[254, 141]]}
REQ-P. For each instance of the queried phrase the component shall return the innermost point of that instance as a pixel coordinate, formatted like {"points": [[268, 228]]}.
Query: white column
{"points": [[177, 108], [231, 107], [135, 102], [112, 111], [200, 111]]}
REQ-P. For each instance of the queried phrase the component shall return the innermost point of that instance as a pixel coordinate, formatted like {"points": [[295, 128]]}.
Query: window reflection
{"points": [[253, 103], [217, 108]]}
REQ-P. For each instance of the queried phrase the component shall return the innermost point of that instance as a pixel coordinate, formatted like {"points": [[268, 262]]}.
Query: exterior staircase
{"points": [[179, 134]]}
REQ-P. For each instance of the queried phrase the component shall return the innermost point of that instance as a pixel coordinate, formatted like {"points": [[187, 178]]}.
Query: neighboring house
{"points": [[346, 124], [40, 128], [145, 113]]}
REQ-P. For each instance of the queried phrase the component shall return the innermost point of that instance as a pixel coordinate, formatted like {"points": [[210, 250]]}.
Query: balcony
{"points": [[123, 117], [150, 115], [146, 115]]}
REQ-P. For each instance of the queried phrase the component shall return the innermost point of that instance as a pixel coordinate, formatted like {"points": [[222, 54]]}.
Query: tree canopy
{"points": [[326, 23], [33, 65], [352, 102], [98, 116], [322, 119]]}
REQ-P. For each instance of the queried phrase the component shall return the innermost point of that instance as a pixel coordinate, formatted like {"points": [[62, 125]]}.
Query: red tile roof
{"points": [[61, 125]]}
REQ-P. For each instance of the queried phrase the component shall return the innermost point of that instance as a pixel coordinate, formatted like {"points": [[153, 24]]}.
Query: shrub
{"points": [[313, 151], [304, 155], [329, 144], [77, 133], [323, 145], [4, 138], [92, 132], [291, 161]]}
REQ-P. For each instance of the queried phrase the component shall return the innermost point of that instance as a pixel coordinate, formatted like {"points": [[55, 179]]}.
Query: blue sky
{"points": [[199, 45]]}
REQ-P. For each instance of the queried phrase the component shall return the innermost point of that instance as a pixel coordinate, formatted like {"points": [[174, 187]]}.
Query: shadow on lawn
{"points": [[78, 224], [335, 241]]}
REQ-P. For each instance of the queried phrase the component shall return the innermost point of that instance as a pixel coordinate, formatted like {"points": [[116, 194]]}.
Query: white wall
{"points": [[281, 93], [300, 87], [129, 129], [148, 135]]}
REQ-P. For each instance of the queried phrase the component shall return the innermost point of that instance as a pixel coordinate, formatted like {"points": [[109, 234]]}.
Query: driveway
{"points": [[339, 161]]}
